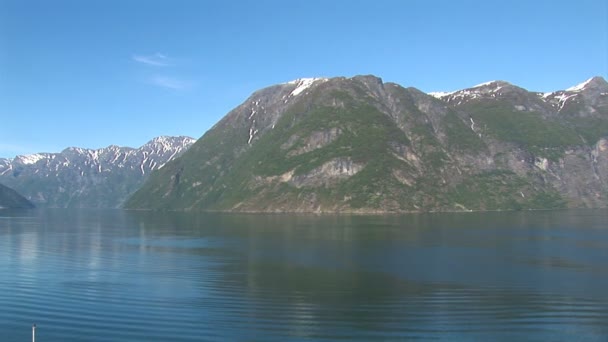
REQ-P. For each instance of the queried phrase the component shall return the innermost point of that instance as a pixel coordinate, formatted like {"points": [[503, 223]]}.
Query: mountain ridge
{"points": [[361, 145], [82, 177]]}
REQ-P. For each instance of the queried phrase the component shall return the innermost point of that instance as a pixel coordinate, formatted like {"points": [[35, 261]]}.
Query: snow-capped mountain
{"points": [[362, 145], [589, 94], [490, 89], [80, 177], [581, 99]]}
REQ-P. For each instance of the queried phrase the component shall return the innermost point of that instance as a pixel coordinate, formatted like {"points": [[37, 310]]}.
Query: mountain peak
{"points": [[592, 83], [496, 83], [165, 139], [29, 159], [440, 94], [167, 144], [303, 84], [83, 177], [368, 78], [486, 87], [306, 80], [489, 89]]}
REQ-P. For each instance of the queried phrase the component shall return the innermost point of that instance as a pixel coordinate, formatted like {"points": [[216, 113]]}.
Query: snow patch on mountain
{"points": [[545, 95], [303, 83], [563, 98], [487, 89], [441, 94], [580, 86], [30, 159]]}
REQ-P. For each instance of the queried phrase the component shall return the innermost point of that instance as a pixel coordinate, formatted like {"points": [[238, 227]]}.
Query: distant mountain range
{"points": [[10, 199], [361, 145], [79, 177]]}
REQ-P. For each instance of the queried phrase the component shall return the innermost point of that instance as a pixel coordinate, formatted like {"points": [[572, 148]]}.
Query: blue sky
{"points": [[95, 73]]}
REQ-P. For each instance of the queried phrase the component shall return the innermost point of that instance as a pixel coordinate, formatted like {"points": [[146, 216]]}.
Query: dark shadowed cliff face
{"points": [[10, 199], [361, 145], [85, 178]]}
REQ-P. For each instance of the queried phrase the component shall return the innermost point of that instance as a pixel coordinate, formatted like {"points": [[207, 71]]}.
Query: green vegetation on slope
{"points": [[365, 138], [460, 136], [503, 190], [526, 129], [591, 129], [356, 145]]}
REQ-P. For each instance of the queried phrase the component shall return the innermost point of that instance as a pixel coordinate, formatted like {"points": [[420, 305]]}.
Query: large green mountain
{"points": [[361, 145], [9, 198]]}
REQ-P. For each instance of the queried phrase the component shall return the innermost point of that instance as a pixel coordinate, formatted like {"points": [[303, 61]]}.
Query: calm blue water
{"points": [[91, 275]]}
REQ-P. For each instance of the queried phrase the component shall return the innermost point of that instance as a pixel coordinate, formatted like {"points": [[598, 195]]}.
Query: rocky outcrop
{"points": [[330, 172]]}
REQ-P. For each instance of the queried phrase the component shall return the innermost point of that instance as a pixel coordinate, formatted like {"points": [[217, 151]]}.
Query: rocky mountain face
{"points": [[86, 178], [11, 199], [361, 145]]}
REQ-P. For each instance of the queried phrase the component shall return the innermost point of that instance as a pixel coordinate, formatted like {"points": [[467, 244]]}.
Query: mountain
{"points": [[79, 177], [361, 145], [10, 198]]}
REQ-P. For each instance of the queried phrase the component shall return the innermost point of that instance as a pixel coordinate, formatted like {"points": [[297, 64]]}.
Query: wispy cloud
{"points": [[170, 82], [157, 60], [166, 80]]}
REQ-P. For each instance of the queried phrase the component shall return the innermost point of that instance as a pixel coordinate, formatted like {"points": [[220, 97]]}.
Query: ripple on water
{"points": [[193, 283]]}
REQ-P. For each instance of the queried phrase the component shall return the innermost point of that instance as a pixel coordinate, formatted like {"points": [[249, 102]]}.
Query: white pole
{"points": [[34, 333]]}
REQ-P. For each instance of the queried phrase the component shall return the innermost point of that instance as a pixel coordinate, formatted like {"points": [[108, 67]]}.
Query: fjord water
{"points": [[111, 275]]}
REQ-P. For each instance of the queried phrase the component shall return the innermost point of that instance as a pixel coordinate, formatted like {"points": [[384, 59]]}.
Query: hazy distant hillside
{"points": [[79, 177], [9, 198], [361, 145]]}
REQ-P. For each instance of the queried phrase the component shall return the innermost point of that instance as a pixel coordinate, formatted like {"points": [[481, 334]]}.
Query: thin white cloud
{"points": [[170, 82], [157, 59], [164, 81]]}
